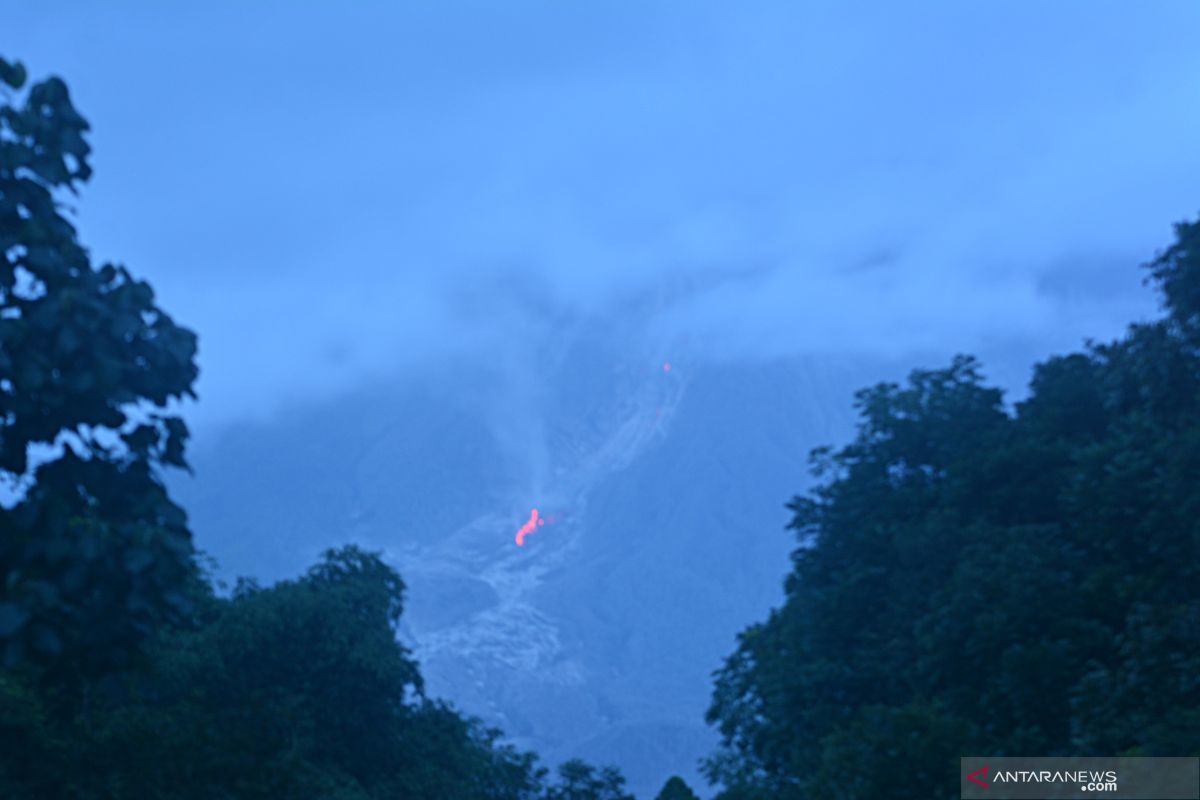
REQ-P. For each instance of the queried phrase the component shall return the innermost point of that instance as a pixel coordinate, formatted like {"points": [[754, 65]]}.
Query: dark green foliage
{"points": [[305, 677], [971, 581], [96, 554], [676, 789], [580, 781], [1177, 273], [296, 691]]}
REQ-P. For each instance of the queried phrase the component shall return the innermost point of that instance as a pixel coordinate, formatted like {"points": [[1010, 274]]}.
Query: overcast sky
{"points": [[332, 191]]}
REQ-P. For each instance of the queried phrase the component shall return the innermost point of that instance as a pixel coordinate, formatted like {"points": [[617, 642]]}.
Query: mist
{"points": [[327, 195]]}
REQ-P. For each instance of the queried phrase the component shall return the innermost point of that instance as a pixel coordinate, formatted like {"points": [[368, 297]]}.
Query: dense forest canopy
{"points": [[973, 579]]}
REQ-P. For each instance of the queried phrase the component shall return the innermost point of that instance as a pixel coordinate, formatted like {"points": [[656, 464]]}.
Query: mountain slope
{"points": [[664, 495]]}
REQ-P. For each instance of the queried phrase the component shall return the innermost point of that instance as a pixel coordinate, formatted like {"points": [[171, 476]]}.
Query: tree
{"points": [[1177, 274], [297, 690], [578, 780], [676, 789], [94, 554], [970, 579]]}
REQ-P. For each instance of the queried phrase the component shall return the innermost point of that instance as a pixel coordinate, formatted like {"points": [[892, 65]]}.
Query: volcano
{"points": [[597, 638]]}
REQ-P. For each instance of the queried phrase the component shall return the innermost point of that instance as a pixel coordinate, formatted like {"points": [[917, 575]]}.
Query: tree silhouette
{"points": [[94, 554]]}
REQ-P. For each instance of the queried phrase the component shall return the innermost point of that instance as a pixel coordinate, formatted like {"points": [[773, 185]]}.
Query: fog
{"points": [[333, 195]]}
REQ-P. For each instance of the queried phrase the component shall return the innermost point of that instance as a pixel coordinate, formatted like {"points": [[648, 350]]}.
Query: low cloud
{"points": [[369, 190]]}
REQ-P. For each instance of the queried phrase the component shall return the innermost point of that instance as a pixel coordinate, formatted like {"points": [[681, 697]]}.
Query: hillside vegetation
{"points": [[975, 579]]}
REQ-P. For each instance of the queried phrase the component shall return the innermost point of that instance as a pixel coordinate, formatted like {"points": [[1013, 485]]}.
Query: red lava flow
{"points": [[529, 527]]}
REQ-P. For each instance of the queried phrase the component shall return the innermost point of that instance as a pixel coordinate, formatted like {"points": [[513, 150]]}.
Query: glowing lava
{"points": [[529, 527]]}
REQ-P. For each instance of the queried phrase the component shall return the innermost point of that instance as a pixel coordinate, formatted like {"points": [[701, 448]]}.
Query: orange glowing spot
{"points": [[528, 527], [666, 366]]}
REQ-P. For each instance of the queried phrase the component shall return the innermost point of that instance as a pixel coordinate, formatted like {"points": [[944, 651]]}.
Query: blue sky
{"points": [[331, 193]]}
